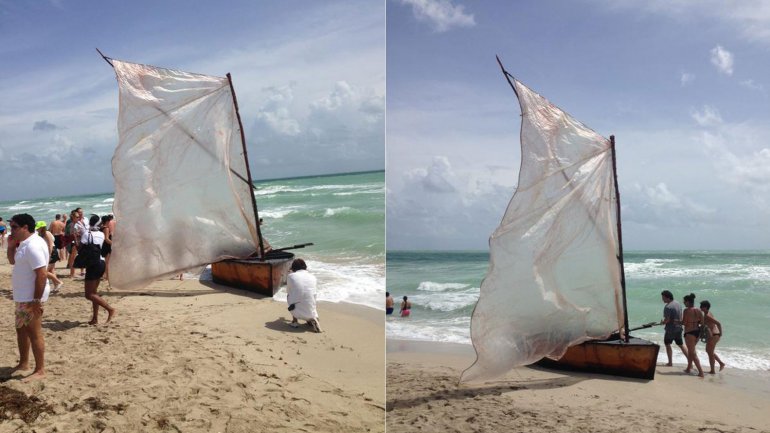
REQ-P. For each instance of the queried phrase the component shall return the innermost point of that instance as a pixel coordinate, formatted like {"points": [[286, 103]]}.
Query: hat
{"points": [[40, 225]]}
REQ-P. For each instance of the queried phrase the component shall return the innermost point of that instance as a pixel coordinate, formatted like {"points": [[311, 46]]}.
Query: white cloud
{"points": [[708, 117], [348, 123], [686, 78], [749, 18], [438, 178], [441, 14], [751, 85], [722, 59]]}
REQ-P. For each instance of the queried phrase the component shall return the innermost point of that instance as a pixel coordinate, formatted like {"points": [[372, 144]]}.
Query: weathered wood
{"points": [[261, 276], [635, 358]]}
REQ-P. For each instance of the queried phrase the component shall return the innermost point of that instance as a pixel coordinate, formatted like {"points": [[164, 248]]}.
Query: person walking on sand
{"points": [[389, 302], [95, 271], [28, 253], [672, 318], [406, 307], [53, 253], [692, 319], [301, 295], [716, 333]]}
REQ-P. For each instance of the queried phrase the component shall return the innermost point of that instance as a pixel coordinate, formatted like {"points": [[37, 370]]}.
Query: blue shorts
{"points": [[389, 310]]}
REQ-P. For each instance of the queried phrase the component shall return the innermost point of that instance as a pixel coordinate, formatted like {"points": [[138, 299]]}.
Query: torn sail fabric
{"points": [[554, 277]]}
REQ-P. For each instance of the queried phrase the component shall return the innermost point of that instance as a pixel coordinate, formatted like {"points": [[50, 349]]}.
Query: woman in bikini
{"points": [[692, 319], [716, 333]]}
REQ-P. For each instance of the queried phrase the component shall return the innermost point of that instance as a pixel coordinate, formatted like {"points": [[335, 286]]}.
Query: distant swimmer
{"points": [[406, 307], [389, 302]]}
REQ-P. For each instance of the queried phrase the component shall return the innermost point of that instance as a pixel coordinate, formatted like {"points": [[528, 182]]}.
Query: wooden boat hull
{"points": [[261, 276], [613, 356]]}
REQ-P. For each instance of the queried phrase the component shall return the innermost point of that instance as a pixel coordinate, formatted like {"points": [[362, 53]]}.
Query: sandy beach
{"points": [[193, 356], [424, 395]]}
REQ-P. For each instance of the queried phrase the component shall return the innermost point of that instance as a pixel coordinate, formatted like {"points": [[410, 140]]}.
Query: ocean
{"points": [[444, 287], [343, 215]]}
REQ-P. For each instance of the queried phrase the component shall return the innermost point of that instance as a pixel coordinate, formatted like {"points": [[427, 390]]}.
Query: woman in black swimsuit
{"points": [[716, 333], [692, 320]]}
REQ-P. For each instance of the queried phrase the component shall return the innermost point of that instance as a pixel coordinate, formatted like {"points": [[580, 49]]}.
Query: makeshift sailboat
{"points": [[555, 288], [183, 188]]}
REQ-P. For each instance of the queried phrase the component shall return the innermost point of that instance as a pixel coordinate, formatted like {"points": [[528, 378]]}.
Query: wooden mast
{"points": [[248, 170], [620, 240]]}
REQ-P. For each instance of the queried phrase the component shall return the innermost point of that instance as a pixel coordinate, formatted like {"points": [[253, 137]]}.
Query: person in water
{"points": [[692, 319], [716, 333], [672, 318], [406, 307], [389, 302]]}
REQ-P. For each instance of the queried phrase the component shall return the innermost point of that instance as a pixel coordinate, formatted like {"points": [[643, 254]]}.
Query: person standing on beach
{"points": [[57, 230], [406, 307], [692, 319], [716, 333], [301, 295], [389, 302], [107, 246], [672, 318], [2, 232], [28, 253], [95, 271], [53, 253]]}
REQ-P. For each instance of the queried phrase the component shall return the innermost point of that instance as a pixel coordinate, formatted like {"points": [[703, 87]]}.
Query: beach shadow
{"points": [[460, 392], [5, 374], [282, 325], [6, 293], [587, 375], [61, 325]]}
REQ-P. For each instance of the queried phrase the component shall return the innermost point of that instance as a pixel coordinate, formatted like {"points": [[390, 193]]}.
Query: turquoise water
{"points": [[343, 215], [444, 287]]}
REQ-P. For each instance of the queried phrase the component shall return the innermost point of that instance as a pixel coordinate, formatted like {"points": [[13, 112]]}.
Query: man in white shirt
{"points": [[28, 253], [301, 294]]}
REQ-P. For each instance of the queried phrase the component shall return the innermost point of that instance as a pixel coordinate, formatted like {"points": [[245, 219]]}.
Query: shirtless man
{"points": [[56, 228]]}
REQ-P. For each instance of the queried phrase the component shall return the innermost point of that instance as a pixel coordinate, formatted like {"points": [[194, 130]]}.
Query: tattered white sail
{"points": [[554, 275], [179, 200]]}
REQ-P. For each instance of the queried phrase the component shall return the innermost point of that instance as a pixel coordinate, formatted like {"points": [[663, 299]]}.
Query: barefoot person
{"points": [[301, 294], [692, 319], [94, 271], [28, 253], [672, 318], [716, 333]]}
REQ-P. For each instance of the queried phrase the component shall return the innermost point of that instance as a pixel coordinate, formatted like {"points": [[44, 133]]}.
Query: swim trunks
{"points": [[389, 310], [405, 313], [24, 313], [57, 241], [673, 336]]}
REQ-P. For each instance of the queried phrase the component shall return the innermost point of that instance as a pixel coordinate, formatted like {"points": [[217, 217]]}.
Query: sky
{"points": [[309, 77], [683, 85]]}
